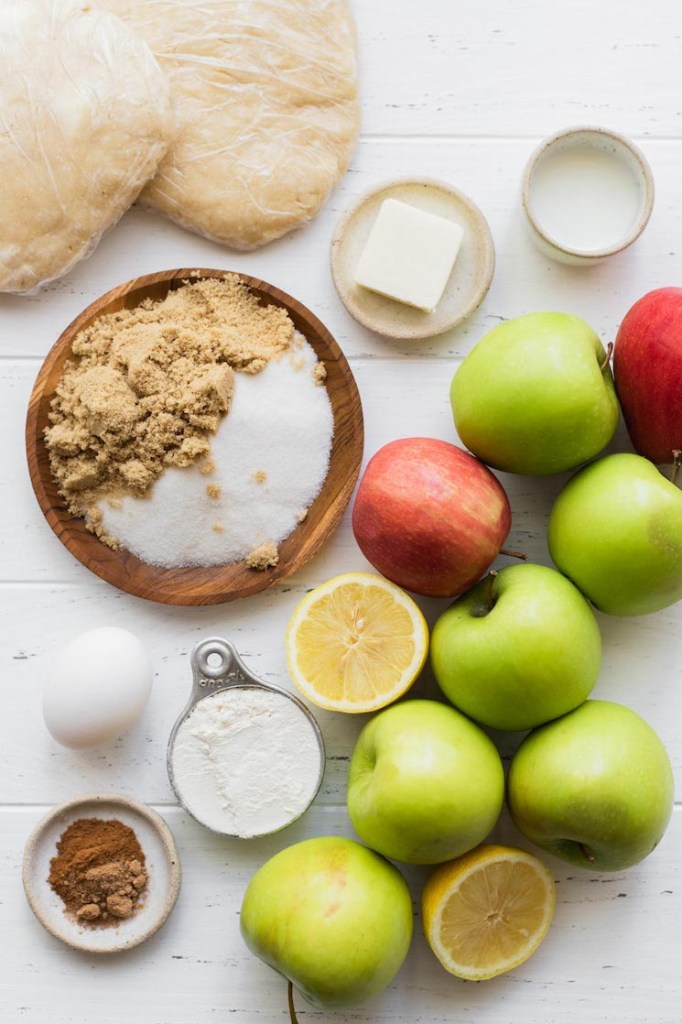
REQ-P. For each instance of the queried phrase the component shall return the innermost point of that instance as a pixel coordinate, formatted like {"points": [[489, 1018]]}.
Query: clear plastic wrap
{"points": [[85, 118], [266, 98]]}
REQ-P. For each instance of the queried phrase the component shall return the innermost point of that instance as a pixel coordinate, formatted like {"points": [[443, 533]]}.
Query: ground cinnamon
{"points": [[99, 871]]}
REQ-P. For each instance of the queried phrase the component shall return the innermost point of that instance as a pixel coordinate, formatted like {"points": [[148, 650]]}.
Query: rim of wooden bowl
{"points": [[196, 586]]}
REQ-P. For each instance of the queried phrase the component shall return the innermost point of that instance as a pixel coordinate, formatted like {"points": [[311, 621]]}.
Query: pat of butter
{"points": [[409, 255]]}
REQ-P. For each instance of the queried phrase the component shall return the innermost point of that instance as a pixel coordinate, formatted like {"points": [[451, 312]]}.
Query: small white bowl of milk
{"points": [[588, 193]]}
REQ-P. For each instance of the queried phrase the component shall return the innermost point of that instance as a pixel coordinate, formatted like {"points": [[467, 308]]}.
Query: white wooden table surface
{"points": [[457, 91]]}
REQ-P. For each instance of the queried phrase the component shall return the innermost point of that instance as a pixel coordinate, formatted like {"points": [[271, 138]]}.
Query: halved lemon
{"points": [[356, 643], [487, 911]]}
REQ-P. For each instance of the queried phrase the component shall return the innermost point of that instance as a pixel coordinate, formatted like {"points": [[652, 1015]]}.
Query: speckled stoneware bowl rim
{"points": [[647, 182], [67, 935], [482, 280]]}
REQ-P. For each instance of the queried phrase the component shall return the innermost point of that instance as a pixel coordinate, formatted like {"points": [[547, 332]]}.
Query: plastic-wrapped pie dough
{"points": [[85, 118], [266, 97]]}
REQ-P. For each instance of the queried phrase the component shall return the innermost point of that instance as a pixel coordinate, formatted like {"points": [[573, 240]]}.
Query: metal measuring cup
{"points": [[231, 672]]}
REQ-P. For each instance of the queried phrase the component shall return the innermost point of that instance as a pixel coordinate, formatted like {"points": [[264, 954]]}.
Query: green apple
{"points": [[425, 783], [616, 531], [594, 787], [536, 395], [331, 916], [520, 648]]}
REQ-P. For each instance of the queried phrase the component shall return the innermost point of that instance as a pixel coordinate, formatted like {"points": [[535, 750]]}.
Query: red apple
{"points": [[647, 367], [429, 516]]}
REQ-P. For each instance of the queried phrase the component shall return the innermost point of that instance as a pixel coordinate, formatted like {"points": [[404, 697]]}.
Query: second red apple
{"points": [[647, 367], [429, 516]]}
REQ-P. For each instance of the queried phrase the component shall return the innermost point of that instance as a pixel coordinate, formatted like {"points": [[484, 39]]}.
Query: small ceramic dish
{"points": [[467, 285], [200, 585], [162, 863], [217, 667], [587, 193]]}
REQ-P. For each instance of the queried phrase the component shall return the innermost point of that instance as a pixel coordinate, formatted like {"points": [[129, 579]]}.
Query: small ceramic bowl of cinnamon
{"points": [[101, 872]]}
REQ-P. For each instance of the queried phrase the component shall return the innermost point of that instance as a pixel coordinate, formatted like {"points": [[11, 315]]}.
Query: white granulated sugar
{"points": [[246, 761], [271, 455]]}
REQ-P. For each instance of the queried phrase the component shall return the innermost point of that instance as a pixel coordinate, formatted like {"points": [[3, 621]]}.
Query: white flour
{"points": [[246, 761], [271, 456]]}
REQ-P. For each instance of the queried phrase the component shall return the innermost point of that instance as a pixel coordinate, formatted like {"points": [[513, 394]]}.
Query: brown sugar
{"points": [[147, 387], [99, 871], [260, 476], [213, 490], [265, 556]]}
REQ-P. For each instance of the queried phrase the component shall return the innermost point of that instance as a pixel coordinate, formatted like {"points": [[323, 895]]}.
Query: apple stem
{"points": [[290, 999], [607, 360], [589, 857], [677, 462], [491, 585], [514, 554]]}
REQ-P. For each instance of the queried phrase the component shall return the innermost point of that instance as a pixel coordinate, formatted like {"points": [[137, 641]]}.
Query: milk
{"points": [[585, 197]]}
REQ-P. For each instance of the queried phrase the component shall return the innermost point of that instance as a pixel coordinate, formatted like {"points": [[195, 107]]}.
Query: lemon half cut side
{"points": [[487, 911], [356, 643]]}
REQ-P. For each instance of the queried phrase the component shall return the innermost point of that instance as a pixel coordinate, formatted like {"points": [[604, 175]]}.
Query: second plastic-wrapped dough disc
{"points": [[266, 98]]}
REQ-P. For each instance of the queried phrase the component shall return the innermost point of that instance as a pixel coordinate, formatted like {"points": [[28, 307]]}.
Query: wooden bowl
{"points": [[213, 584]]}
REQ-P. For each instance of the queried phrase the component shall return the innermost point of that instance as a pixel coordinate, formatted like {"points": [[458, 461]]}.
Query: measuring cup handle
{"points": [[228, 670]]}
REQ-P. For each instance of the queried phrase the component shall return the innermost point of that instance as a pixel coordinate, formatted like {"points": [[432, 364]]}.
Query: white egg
{"points": [[98, 687]]}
